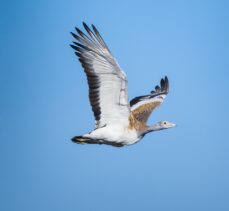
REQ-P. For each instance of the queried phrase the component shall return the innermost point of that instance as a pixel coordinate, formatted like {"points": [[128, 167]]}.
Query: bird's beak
{"points": [[173, 125]]}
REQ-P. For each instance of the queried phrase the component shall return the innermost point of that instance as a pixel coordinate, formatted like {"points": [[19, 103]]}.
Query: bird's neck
{"points": [[153, 128]]}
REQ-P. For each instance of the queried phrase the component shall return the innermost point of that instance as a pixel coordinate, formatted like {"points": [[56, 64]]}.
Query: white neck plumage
{"points": [[155, 127], [160, 126]]}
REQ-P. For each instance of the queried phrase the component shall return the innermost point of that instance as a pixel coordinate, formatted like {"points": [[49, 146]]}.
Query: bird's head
{"points": [[165, 124], [161, 126]]}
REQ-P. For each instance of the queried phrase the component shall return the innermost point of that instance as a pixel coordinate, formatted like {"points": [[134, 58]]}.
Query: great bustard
{"points": [[118, 121]]}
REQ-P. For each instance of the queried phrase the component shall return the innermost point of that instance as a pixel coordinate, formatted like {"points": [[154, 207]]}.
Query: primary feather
{"points": [[107, 83]]}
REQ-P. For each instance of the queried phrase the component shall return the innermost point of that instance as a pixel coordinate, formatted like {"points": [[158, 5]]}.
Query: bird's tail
{"points": [[83, 140], [86, 140]]}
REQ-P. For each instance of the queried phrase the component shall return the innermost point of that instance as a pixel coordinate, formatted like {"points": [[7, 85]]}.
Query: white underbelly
{"points": [[115, 133]]}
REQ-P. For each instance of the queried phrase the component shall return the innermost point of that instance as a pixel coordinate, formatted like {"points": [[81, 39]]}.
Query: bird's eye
{"points": [[164, 123]]}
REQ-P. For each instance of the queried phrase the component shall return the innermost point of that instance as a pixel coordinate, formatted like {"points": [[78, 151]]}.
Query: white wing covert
{"points": [[107, 82]]}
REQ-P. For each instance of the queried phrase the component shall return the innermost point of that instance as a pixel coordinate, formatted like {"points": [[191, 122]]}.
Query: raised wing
{"points": [[107, 82], [141, 107]]}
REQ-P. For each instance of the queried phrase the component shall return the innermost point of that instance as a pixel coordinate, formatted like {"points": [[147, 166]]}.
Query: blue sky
{"points": [[44, 102]]}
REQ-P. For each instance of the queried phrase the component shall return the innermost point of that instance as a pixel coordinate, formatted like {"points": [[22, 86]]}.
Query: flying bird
{"points": [[118, 122]]}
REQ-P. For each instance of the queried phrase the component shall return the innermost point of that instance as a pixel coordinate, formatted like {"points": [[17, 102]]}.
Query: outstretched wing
{"points": [[141, 107], [107, 82]]}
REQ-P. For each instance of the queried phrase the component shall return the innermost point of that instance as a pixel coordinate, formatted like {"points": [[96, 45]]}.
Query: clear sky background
{"points": [[44, 102]]}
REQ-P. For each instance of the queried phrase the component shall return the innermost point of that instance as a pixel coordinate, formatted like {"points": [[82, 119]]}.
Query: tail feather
{"points": [[86, 140], [83, 140]]}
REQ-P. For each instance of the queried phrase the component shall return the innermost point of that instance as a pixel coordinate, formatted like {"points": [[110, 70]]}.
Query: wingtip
{"points": [[157, 88], [78, 54], [85, 25], [74, 35], [166, 84], [72, 46], [94, 28], [76, 28], [79, 31], [76, 48]]}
